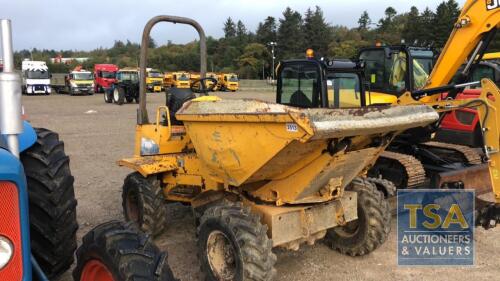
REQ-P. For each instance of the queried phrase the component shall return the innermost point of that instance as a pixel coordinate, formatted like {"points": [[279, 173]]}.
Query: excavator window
{"points": [[299, 84], [374, 67], [343, 90], [483, 71], [398, 67]]}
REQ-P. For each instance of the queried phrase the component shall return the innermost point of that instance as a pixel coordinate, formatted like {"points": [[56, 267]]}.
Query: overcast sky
{"points": [[89, 24]]}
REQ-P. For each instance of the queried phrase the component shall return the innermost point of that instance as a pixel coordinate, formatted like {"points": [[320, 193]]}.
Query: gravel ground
{"points": [[96, 135]]}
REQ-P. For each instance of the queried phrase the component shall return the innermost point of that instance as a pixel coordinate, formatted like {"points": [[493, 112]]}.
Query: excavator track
{"points": [[471, 155], [411, 168]]}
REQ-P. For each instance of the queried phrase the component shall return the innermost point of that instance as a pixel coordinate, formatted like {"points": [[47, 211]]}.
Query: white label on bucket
{"points": [[292, 127]]}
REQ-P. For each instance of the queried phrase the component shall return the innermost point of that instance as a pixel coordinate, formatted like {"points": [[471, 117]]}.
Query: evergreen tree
{"points": [[427, 20], [364, 21], [385, 24], [152, 43], [241, 30], [290, 36], [229, 28], [317, 33], [413, 25], [266, 31], [446, 15]]}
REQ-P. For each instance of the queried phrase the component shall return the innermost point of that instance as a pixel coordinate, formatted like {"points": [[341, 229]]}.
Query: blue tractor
{"points": [[38, 207]]}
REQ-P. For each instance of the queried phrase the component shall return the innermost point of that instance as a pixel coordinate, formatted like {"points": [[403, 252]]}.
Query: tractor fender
{"points": [[26, 139]]}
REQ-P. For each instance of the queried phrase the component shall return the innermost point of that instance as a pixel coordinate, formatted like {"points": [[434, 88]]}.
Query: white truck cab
{"points": [[36, 77]]}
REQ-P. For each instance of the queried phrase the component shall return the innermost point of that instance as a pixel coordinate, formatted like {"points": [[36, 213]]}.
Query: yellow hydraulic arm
{"points": [[488, 108], [469, 36]]}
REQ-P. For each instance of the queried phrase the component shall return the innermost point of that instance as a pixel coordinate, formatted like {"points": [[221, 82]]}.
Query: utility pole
{"points": [[272, 44]]}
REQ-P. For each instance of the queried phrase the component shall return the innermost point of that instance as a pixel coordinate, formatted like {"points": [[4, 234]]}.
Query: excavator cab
{"points": [[396, 69], [311, 83]]}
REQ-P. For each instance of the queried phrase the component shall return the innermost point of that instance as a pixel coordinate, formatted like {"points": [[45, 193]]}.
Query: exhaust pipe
{"points": [[11, 124]]}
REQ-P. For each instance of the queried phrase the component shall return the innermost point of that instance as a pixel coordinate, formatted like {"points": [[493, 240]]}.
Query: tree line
{"points": [[248, 53]]}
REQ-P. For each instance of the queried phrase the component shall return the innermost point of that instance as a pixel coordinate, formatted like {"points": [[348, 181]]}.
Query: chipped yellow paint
{"points": [[149, 165]]}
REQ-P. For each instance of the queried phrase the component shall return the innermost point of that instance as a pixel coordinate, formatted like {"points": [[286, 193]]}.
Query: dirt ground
{"points": [[96, 135]]}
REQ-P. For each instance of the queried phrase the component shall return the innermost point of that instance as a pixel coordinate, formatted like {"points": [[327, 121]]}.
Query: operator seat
{"points": [[175, 99], [299, 99]]}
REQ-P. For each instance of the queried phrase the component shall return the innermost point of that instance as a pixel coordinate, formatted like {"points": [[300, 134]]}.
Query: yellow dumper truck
{"points": [[181, 79], [260, 175], [228, 82], [154, 80]]}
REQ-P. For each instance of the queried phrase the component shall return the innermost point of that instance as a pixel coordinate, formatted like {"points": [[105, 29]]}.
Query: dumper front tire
{"points": [[117, 251], [144, 203], [52, 203], [233, 245], [370, 230]]}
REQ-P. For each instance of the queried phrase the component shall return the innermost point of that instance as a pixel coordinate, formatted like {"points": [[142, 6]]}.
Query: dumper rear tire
{"points": [[52, 203], [233, 245], [118, 251], [370, 230], [144, 203]]}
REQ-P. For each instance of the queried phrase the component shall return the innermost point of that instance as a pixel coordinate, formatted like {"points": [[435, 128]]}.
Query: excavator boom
{"points": [[470, 36]]}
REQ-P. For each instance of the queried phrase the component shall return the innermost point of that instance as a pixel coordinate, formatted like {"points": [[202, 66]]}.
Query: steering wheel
{"points": [[199, 86]]}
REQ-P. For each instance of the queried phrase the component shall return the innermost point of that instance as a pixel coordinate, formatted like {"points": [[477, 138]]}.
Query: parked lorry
{"points": [[125, 88], [104, 76], [36, 77], [78, 82], [38, 206], [154, 80]]}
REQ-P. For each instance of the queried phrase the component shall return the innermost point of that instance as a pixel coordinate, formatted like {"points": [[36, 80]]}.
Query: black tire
{"points": [[235, 226], [126, 253], [388, 188], [52, 203], [119, 95], [108, 96], [370, 230], [144, 203], [129, 99]]}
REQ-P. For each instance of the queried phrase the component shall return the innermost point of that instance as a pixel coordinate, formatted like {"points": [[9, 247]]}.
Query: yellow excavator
{"points": [[471, 35], [416, 159]]}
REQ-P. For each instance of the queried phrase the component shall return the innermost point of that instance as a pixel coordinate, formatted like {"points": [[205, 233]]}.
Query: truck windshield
{"points": [[83, 76], [154, 74], [37, 74], [183, 77], [108, 74], [233, 78]]}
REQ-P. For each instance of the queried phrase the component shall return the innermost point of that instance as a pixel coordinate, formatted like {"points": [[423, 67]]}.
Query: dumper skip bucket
{"points": [[242, 141]]}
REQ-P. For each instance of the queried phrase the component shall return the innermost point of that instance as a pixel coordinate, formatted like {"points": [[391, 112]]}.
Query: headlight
{"points": [[93, 85], [6, 251], [149, 147], [73, 84]]}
